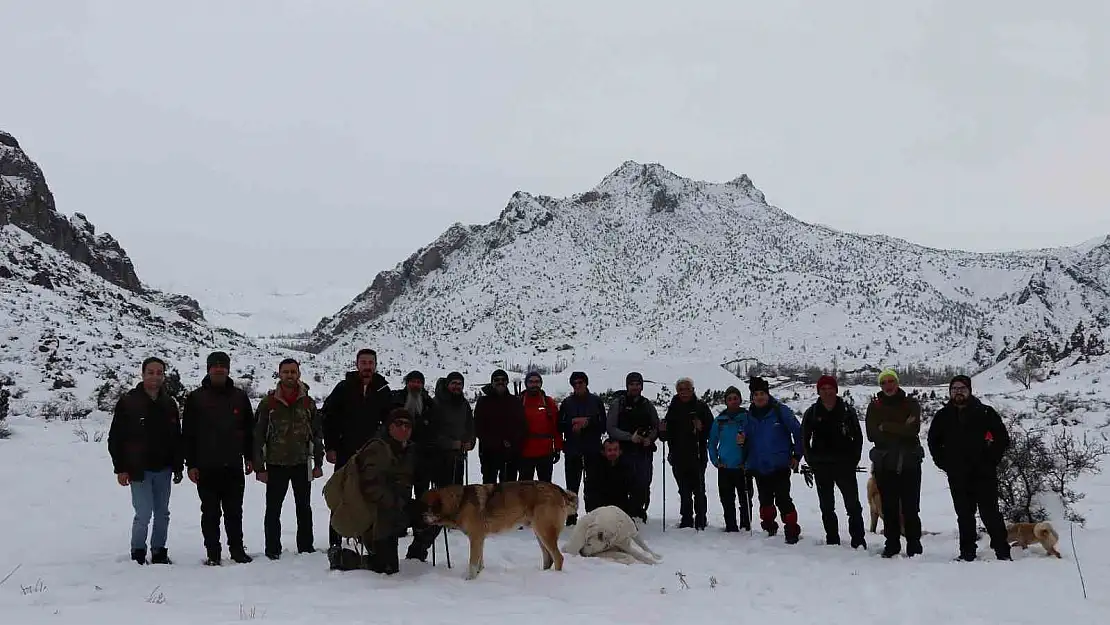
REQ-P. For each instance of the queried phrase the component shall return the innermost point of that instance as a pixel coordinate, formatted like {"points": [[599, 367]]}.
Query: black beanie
{"points": [[218, 358], [533, 374], [414, 375], [579, 375], [758, 384], [961, 378], [633, 377], [454, 375], [500, 373]]}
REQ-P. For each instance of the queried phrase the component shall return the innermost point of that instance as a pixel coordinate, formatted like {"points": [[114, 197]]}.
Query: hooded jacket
{"points": [[499, 422], [217, 426], [723, 448], [772, 438], [832, 439], [145, 434], [353, 413], [968, 441]]}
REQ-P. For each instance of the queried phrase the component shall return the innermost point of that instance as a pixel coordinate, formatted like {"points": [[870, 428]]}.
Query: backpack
{"points": [[350, 515]]}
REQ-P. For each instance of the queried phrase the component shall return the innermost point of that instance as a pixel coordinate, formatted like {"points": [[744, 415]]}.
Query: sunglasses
{"points": [[402, 424]]}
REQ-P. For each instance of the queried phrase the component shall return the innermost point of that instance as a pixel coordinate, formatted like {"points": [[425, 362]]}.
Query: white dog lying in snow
{"points": [[609, 532]]}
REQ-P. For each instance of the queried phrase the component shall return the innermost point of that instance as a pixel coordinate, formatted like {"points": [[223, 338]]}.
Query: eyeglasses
{"points": [[957, 389], [402, 424]]}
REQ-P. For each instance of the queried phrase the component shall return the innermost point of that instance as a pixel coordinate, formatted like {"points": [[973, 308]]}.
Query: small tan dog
{"points": [[1025, 534]]}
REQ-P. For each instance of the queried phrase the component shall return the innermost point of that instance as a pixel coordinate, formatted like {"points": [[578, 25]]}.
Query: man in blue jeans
{"points": [[144, 442]]}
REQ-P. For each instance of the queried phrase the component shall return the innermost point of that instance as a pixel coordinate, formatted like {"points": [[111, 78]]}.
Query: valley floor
{"points": [[65, 526]]}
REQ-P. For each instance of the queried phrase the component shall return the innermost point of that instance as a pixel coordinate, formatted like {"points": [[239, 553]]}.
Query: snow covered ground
{"points": [[66, 526]]}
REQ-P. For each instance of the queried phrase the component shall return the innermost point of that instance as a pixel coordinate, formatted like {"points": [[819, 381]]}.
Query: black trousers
{"points": [[774, 492], [978, 491], [221, 493], [498, 467], [901, 493], [277, 485], [690, 478], [844, 479], [733, 484], [437, 469], [537, 468]]}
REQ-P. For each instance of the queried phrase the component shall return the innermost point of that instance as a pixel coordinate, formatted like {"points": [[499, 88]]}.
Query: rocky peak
{"points": [[26, 202]]}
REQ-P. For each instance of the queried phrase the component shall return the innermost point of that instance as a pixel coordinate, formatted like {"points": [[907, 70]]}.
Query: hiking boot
{"points": [[139, 555], [214, 559], [965, 557], [700, 523], [308, 549], [858, 543], [1005, 556], [731, 528], [160, 556], [273, 555], [791, 529], [832, 540], [572, 520], [914, 549], [240, 556], [685, 522], [891, 551]]}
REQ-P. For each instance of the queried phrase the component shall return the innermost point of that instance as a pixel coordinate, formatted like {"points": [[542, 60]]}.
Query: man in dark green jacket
{"points": [[893, 425]]}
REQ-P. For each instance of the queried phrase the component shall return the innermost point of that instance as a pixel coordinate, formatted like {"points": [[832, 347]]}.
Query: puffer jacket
{"points": [[723, 448]]}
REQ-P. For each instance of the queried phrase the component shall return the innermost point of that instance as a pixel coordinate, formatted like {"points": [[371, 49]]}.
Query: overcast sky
{"points": [[344, 135]]}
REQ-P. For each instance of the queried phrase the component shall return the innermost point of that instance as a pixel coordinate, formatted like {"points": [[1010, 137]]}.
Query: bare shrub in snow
{"points": [[5, 397], [1042, 462], [107, 394], [66, 407], [1025, 371], [83, 435]]}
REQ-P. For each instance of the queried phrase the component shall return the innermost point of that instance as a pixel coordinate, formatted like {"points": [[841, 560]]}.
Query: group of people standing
{"points": [[608, 453]]}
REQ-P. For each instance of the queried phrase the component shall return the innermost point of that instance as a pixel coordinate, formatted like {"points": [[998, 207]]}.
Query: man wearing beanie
{"points": [[633, 421], [455, 431], [217, 430], [773, 447], [425, 424], [500, 429], [832, 444], [542, 443], [967, 440], [893, 425], [582, 424]]}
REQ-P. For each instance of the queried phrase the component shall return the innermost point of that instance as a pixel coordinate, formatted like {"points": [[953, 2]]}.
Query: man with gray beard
{"points": [[456, 430], [425, 429]]}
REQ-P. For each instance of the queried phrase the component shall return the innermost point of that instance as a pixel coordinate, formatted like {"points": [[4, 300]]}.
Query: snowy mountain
{"points": [[76, 321], [648, 265]]}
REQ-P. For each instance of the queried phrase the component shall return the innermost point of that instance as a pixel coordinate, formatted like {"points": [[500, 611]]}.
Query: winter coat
{"points": [[386, 471], [685, 446], [425, 426], [541, 415], [587, 441], [287, 434], [968, 441], [832, 439], [893, 424], [456, 419], [628, 416], [499, 422], [723, 448], [145, 434], [217, 426], [772, 438], [609, 484], [353, 414]]}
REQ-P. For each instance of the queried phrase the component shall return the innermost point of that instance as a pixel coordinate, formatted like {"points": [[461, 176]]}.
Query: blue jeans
{"points": [[151, 497]]}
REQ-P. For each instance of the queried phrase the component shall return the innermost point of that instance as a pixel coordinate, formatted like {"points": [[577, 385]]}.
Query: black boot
{"points": [[214, 558], [700, 522], [160, 556], [858, 543], [832, 540], [139, 555], [913, 549], [239, 555]]}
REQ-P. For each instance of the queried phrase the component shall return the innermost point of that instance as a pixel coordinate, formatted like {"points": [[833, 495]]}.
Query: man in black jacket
{"points": [[455, 433], [582, 424], [217, 431], [609, 482], [685, 429], [967, 440], [832, 444], [354, 412], [144, 442], [633, 421]]}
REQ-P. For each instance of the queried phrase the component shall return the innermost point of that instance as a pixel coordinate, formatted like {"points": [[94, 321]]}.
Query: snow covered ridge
{"points": [[69, 339], [650, 265]]}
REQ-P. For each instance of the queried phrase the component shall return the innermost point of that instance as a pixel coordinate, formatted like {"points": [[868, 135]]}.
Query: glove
{"points": [[555, 458], [808, 475]]}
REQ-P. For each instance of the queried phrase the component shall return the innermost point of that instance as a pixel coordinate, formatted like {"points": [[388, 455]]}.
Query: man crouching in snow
{"points": [[386, 469], [608, 532]]}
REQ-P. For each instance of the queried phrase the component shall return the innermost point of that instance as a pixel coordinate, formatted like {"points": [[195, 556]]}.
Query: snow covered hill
{"points": [[652, 266], [76, 321]]}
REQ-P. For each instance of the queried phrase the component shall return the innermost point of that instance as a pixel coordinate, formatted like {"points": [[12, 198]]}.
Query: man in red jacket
{"points": [[542, 443]]}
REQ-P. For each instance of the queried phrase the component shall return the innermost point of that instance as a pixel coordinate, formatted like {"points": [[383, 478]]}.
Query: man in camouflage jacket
{"points": [[288, 433]]}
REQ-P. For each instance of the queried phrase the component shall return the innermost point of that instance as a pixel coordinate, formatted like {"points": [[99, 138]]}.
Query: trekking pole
{"points": [[663, 474], [447, 543], [747, 498]]}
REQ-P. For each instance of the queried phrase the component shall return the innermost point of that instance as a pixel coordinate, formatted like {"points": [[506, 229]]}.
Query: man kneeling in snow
{"points": [[608, 532]]}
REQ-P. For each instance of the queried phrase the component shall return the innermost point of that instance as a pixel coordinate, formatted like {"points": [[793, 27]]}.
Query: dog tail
{"points": [[570, 500], [1043, 530]]}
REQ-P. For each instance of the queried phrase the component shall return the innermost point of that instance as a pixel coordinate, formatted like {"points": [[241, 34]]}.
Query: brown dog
{"points": [[1025, 534], [479, 510], [875, 504]]}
